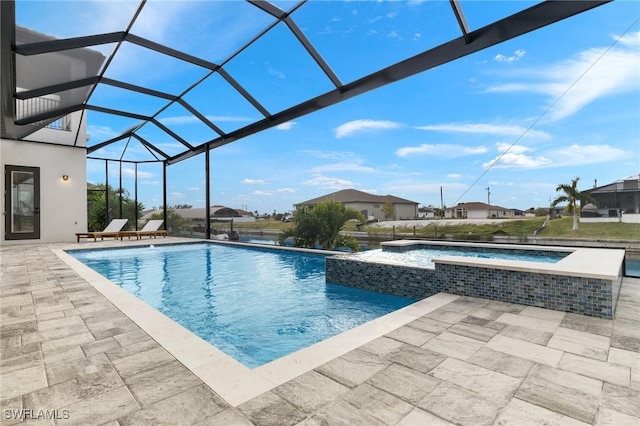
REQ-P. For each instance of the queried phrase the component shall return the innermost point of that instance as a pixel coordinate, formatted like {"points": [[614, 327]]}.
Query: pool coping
{"points": [[230, 379]]}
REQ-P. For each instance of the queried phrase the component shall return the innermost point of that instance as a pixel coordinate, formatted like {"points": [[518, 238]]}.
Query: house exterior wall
{"points": [[477, 214], [63, 204], [405, 211], [373, 209], [401, 211]]}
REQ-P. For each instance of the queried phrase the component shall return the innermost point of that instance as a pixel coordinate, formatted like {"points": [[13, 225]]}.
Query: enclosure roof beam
{"points": [[172, 133], [101, 145], [462, 22], [60, 112], [50, 46], [138, 89], [150, 146], [535, 17], [200, 116], [56, 88]]}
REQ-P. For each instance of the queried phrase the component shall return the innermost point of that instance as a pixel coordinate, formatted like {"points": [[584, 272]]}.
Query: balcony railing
{"points": [[34, 106]]}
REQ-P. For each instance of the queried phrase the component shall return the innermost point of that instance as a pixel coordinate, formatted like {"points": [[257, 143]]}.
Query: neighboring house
{"points": [[46, 174], [614, 199], [426, 212], [198, 215], [370, 205], [478, 210]]}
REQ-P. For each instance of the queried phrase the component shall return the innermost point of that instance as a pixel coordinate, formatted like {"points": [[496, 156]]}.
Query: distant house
{"points": [[426, 212], [370, 205], [613, 199], [478, 210], [198, 214]]}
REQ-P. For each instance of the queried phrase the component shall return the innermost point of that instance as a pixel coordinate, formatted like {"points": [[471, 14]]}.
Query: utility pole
{"points": [[489, 201]]}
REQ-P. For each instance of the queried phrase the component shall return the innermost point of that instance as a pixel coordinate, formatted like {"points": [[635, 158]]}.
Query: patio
{"points": [[68, 352]]}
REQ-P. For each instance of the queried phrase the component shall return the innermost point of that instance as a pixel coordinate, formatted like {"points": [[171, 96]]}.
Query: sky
{"points": [[506, 124]]}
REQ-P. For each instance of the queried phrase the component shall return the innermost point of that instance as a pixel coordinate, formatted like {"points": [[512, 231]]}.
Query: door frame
{"points": [[8, 206]]}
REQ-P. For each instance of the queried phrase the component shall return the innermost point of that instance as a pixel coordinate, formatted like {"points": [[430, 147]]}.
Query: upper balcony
{"points": [[40, 91]]}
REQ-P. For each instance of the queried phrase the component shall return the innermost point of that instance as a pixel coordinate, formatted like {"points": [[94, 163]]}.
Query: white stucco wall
{"points": [[599, 219], [405, 211], [63, 204], [630, 218], [477, 214]]}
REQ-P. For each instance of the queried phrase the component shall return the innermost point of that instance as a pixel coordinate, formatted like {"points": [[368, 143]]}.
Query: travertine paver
{"points": [[492, 385], [563, 392], [405, 383], [64, 346]]}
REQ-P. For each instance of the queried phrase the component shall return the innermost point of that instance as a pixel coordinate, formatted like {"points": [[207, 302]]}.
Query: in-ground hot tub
{"points": [[582, 280]]}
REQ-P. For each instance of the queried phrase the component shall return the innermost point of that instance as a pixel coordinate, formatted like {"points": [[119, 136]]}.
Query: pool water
{"points": [[632, 268], [256, 305], [424, 257]]}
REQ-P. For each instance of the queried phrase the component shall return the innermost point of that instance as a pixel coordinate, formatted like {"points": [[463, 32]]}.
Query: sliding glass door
{"points": [[22, 203]]}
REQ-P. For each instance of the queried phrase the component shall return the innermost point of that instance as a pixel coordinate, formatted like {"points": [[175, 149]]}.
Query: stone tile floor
{"points": [[67, 352]]}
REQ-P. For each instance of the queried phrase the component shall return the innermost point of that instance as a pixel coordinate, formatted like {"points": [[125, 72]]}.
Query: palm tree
{"points": [[322, 225], [571, 196]]}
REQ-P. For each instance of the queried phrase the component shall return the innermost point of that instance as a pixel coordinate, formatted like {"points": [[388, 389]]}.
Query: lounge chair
{"points": [[113, 229], [151, 229]]}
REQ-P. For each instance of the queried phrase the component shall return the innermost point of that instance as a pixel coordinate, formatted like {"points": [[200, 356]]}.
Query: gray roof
{"points": [[351, 196], [477, 205], [198, 212], [630, 184]]}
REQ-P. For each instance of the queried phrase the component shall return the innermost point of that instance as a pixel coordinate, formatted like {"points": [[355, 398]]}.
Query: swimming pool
{"points": [[255, 305]]}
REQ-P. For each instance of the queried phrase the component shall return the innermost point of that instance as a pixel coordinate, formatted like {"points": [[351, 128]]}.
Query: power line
{"points": [[497, 160]]}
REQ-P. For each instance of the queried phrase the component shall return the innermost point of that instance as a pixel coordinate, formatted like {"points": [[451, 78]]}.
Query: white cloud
{"points": [[513, 156], [253, 181], [343, 167], [629, 40], [129, 172], [101, 132], [520, 161], [362, 125], [286, 126], [454, 175], [569, 156], [517, 55], [441, 150], [489, 129], [193, 188], [286, 190], [190, 119], [275, 73], [343, 156], [513, 149], [590, 75], [176, 196], [273, 192], [588, 154], [329, 183]]}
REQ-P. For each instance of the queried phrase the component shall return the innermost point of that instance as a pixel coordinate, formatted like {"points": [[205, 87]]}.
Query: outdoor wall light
{"points": [[65, 177]]}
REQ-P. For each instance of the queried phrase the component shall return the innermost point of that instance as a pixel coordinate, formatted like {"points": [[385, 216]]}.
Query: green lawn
{"points": [[561, 228], [518, 228], [558, 228]]}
